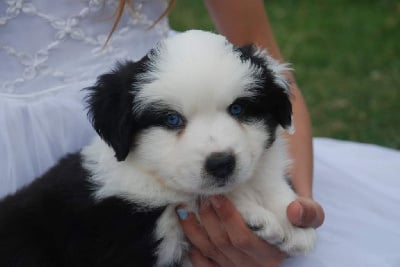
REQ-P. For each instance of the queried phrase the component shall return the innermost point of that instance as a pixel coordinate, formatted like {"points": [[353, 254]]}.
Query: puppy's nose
{"points": [[220, 164]]}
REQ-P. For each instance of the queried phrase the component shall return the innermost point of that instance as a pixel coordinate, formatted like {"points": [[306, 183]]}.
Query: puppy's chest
{"points": [[173, 247]]}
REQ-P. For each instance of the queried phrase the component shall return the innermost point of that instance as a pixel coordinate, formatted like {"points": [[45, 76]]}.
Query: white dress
{"points": [[50, 50]]}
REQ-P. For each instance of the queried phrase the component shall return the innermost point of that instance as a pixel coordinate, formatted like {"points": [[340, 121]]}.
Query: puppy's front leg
{"points": [[266, 216], [276, 198], [261, 221], [298, 241], [173, 247]]}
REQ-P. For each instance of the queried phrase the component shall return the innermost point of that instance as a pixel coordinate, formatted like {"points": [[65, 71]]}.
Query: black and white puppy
{"points": [[195, 117]]}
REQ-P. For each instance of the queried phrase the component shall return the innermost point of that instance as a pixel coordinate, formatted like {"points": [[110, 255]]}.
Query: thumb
{"points": [[305, 212]]}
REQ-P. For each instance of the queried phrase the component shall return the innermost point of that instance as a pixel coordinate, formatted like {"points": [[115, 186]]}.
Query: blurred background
{"points": [[346, 56]]}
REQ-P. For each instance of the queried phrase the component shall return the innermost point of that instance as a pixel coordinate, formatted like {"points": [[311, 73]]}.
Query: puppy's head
{"points": [[197, 113]]}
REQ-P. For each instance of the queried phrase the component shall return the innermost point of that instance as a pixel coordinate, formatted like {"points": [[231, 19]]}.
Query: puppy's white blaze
{"points": [[208, 69], [180, 164]]}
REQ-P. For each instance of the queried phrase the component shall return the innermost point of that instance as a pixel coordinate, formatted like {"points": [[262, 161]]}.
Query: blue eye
{"points": [[174, 120], [235, 109]]}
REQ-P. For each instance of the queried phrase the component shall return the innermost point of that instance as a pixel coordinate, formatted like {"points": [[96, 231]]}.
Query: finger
{"points": [[305, 212], [241, 236], [220, 238], [198, 260], [198, 237], [313, 215], [213, 226]]}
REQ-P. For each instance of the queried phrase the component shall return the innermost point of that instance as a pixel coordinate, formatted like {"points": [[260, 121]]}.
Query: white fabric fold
{"points": [[358, 185]]}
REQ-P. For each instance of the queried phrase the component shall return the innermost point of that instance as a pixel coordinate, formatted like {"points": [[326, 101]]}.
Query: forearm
{"points": [[248, 23], [300, 146]]}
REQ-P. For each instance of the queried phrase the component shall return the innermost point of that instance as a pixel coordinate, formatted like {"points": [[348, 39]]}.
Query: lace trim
{"points": [[36, 64]]}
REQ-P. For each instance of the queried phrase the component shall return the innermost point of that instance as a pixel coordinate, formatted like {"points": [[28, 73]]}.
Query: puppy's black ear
{"points": [[273, 87], [110, 105]]}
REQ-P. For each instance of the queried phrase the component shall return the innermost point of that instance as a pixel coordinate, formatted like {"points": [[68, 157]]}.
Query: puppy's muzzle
{"points": [[220, 165]]}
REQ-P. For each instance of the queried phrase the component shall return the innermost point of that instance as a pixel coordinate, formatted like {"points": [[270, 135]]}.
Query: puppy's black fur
{"points": [[110, 106], [56, 222]]}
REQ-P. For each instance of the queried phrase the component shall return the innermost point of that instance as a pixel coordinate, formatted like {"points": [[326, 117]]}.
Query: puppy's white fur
{"points": [[166, 168]]}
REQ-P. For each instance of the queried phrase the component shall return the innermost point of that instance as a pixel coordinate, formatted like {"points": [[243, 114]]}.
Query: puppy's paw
{"points": [[264, 224], [298, 241]]}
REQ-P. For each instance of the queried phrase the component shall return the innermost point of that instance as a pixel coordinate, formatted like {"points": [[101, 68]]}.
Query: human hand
{"points": [[224, 239], [305, 212]]}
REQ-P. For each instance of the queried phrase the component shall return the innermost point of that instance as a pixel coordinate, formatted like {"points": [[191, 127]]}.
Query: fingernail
{"points": [[182, 213]]}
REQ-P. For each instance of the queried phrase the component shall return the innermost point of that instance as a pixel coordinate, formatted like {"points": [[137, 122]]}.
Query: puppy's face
{"points": [[196, 113]]}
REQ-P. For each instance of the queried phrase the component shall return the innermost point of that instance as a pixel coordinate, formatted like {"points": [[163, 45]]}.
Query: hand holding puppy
{"points": [[224, 239]]}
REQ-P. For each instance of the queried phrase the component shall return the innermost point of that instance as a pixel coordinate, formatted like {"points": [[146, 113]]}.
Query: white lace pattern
{"points": [[37, 35]]}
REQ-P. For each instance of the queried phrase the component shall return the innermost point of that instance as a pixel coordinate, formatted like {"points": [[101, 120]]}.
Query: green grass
{"points": [[346, 56]]}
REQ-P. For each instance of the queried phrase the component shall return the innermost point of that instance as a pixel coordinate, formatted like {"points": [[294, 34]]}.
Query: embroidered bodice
{"points": [[45, 44]]}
